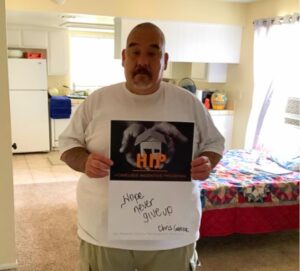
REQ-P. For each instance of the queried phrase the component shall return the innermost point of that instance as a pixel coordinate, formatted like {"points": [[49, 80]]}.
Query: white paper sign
{"points": [[146, 210]]}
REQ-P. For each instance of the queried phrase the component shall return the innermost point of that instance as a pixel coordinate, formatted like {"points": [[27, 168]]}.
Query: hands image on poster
{"points": [[145, 150]]}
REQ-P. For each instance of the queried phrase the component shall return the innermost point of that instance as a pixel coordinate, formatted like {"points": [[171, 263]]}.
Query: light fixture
{"points": [[88, 26], [59, 2]]}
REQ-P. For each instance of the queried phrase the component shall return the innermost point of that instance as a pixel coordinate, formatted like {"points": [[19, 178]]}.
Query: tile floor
{"points": [[41, 168]]}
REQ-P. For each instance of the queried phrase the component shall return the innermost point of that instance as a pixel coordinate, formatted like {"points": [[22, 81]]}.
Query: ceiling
{"points": [[52, 19], [241, 1]]}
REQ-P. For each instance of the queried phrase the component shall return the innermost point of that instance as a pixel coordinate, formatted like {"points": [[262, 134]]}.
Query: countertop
{"points": [[221, 112]]}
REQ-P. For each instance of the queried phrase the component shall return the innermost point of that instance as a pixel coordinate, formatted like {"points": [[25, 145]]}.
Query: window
{"points": [[92, 62], [275, 115]]}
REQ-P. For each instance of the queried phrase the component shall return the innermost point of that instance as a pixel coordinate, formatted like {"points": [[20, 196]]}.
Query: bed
{"points": [[248, 192]]}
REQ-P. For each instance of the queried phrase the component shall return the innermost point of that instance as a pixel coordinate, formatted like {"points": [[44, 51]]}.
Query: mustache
{"points": [[141, 71]]}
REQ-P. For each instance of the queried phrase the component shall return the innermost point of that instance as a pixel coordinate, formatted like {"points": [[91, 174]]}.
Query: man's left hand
{"points": [[200, 168]]}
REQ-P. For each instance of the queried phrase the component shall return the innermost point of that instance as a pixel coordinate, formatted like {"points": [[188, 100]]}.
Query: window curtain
{"points": [[276, 73]]}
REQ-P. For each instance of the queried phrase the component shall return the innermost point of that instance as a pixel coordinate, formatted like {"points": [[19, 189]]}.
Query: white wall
{"points": [[7, 226]]}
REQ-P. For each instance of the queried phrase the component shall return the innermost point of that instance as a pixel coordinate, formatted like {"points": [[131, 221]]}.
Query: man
{"points": [[85, 148]]}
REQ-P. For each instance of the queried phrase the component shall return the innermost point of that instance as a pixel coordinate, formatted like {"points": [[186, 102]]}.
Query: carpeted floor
{"points": [[47, 241], [46, 227]]}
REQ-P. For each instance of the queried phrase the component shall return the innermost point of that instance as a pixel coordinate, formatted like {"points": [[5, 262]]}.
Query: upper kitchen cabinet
{"points": [[27, 38], [189, 42], [55, 41], [58, 52], [216, 73], [35, 39], [14, 37]]}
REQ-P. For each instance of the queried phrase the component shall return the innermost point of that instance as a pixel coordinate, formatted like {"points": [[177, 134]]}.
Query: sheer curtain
{"points": [[276, 84]]}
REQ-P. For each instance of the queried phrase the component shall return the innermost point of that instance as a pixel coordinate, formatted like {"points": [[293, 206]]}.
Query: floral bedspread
{"points": [[239, 180]]}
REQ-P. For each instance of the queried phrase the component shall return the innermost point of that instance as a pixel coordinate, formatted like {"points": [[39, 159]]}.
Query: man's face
{"points": [[144, 60]]}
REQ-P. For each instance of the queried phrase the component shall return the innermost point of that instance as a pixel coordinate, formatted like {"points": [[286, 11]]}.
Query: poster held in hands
{"points": [[150, 183]]}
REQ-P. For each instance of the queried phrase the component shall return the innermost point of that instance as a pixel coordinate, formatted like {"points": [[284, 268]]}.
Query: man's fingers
{"points": [[200, 168], [100, 158], [199, 161], [97, 165]]}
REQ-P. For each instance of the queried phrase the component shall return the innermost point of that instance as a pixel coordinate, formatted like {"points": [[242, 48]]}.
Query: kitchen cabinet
{"points": [[178, 70], [188, 41], [55, 41], [59, 125], [58, 52], [14, 38], [198, 71], [209, 72], [27, 38], [223, 120], [216, 73], [34, 39]]}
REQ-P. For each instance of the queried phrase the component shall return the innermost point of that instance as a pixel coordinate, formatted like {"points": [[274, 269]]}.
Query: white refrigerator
{"points": [[29, 105]]}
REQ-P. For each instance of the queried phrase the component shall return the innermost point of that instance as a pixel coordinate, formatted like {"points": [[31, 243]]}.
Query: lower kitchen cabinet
{"points": [[223, 120], [59, 125]]}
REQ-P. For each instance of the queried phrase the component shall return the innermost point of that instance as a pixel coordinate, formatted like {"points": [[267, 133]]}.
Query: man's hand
{"points": [[200, 168], [92, 164], [97, 166]]}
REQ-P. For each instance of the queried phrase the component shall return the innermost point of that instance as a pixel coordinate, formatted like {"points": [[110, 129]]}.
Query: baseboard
{"points": [[8, 266]]}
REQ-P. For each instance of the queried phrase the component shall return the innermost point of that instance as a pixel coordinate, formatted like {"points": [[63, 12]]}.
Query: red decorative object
{"points": [[33, 55], [207, 103]]}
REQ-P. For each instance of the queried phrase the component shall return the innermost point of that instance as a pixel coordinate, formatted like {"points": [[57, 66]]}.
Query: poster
{"points": [[150, 186], [152, 211], [156, 151]]}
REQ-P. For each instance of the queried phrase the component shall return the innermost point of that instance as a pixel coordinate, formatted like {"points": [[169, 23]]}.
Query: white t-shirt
{"points": [[90, 128]]}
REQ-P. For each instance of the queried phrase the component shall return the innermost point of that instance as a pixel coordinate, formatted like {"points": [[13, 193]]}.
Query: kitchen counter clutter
{"points": [[60, 107]]}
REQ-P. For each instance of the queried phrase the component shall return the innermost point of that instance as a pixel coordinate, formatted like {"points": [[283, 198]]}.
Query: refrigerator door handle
{"points": [[14, 146]]}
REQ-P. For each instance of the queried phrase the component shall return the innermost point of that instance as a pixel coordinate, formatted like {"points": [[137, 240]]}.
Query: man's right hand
{"points": [[92, 164], [97, 165]]}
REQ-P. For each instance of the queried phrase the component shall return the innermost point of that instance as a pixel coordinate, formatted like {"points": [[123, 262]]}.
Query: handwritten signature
{"points": [[176, 228]]}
